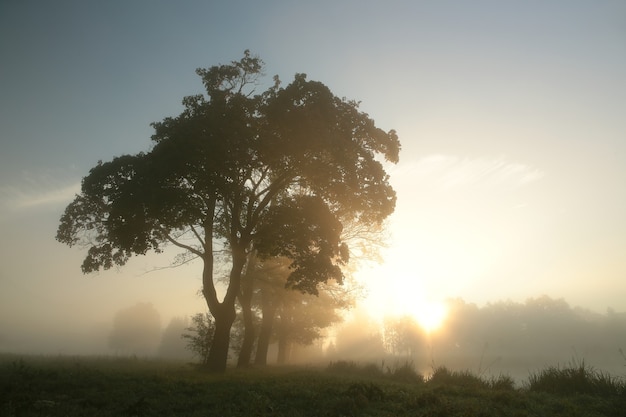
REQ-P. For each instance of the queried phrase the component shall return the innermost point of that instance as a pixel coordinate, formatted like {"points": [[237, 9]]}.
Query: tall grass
{"points": [[402, 372], [576, 378], [405, 372], [63, 386], [443, 376]]}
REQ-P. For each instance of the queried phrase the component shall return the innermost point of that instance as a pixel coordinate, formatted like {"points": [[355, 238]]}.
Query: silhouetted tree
{"points": [[240, 171], [136, 329]]}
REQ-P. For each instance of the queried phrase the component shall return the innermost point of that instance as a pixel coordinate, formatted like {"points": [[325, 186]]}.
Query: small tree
{"points": [[200, 336]]}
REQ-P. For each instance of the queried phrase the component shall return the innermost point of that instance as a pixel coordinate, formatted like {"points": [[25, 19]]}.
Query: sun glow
{"points": [[402, 295], [423, 266], [430, 315]]}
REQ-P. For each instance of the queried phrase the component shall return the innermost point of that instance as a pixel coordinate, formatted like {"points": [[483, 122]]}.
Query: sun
{"points": [[409, 298], [429, 315], [405, 297], [408, 284]]}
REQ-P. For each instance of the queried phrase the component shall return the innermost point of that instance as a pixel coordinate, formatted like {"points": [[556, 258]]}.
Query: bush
{"points": [[201, 336]]}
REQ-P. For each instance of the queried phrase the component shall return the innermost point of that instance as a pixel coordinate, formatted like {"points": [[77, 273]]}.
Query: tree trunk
{"points": [[284, 333], [284, 350], [267, 323], [283, 337], [218, 354], [245, 300], [224, 313], [249, 331]]}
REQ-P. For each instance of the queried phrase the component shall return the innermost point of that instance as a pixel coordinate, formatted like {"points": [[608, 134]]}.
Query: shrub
{"points": [[201, 336]]}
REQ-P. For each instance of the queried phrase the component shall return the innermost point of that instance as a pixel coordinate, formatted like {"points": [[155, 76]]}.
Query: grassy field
{"points": [[80, 386]]}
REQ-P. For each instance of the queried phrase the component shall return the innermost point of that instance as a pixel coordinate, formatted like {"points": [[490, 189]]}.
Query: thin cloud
{"points": [[37, 195], [451, 172]]}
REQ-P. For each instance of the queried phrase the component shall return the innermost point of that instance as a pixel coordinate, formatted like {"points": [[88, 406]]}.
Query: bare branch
{"points": [[195, 232], [183, 246], [160, 268]]}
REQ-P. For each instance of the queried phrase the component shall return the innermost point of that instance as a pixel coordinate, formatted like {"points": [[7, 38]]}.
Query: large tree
{"points": [[240, 171]]}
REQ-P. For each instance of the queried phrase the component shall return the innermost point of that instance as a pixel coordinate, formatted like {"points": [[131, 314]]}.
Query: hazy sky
{"points": [[512, 117]]}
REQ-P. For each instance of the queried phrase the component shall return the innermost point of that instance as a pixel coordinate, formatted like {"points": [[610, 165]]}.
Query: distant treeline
{"points": [[501, 337]]}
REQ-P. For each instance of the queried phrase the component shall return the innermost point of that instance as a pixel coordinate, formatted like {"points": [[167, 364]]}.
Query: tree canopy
{"points": [[276, 172]]}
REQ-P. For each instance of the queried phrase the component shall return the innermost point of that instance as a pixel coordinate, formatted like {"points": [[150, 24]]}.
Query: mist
{"points": [[502, 337], [498, 338]]}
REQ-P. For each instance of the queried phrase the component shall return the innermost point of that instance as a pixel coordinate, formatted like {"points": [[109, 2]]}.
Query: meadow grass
{"points": [[110, 386], [575, 378]]}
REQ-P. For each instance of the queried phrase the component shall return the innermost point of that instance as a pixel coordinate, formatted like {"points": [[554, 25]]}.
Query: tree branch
{"points": [[183, 246], [160, 268], [195, 232]]}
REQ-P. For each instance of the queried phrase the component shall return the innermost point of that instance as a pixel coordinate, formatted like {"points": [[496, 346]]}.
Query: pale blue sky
{"points": [[512, 180]]}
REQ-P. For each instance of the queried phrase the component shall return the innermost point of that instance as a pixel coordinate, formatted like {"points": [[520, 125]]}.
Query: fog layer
{"points": [[499, 338]]}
